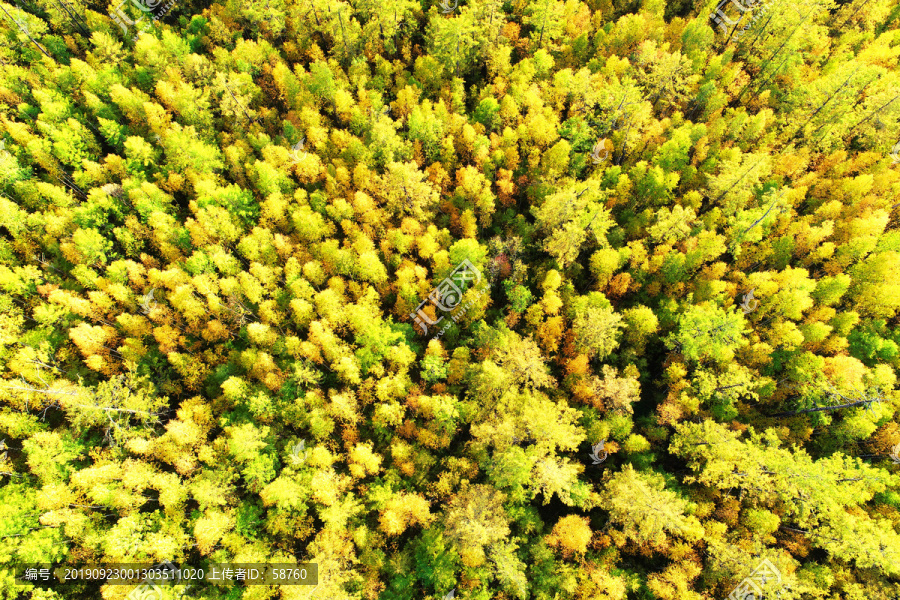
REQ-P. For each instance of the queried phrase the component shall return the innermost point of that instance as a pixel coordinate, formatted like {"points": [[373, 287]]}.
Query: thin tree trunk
{"points": [[874, 112], [834, 46], [720, 196], [27, 34], [824, 408], [831, 124], [774, 54], [236, 101], [77, 22], [764, 214], [769, 78], [759, 33], [807, 532], [544, 23], [854, 13], [343, 34], [818, 110]]}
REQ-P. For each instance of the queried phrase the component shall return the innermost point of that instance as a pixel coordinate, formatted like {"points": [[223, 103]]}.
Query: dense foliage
{"points": [[214, 238]]}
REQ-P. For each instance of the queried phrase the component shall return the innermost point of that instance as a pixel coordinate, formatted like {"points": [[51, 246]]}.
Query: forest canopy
{"points": [[536, 299]]}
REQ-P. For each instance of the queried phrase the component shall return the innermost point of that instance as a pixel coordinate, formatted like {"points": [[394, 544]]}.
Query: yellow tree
{"points": [[646, 514]]}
